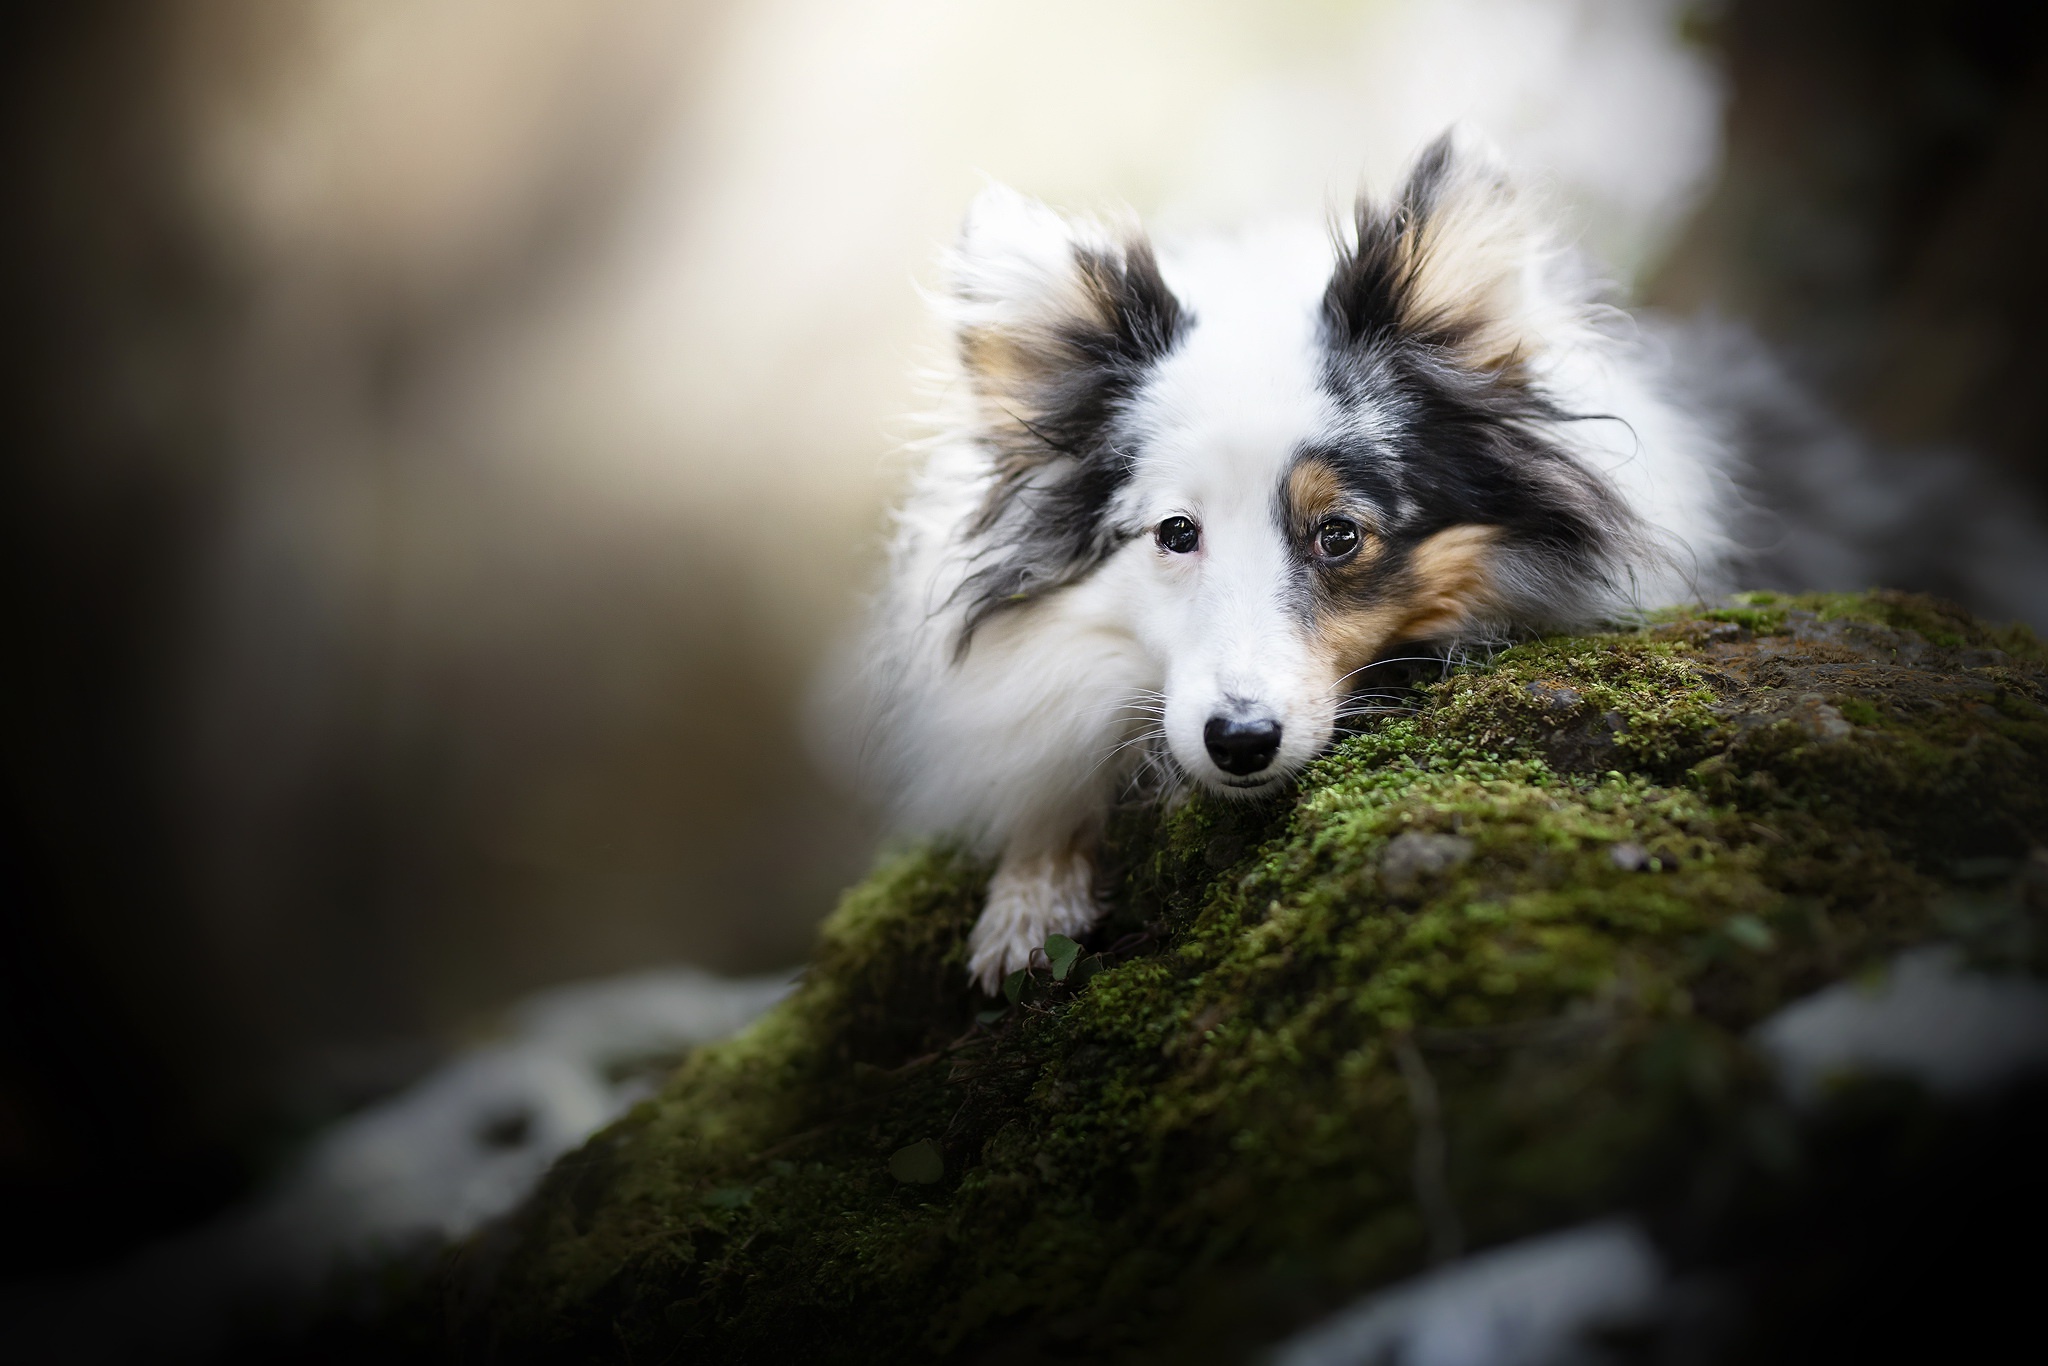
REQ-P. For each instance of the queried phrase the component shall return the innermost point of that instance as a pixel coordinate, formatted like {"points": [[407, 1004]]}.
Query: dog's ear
{"points": [[1054, 316], [1455, 262]]}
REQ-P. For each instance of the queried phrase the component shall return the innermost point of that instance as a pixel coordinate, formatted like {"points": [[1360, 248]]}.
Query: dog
{"points": [[1177, 501]]}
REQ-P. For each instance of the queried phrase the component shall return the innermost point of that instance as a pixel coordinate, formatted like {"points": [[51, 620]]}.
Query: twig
{"points": [[1432, 1192]]}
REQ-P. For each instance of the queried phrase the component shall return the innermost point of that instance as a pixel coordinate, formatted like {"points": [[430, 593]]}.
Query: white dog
{"points": [[1179, 501]]}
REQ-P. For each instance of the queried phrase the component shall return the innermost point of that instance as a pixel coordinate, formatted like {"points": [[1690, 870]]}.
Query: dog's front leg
{"points": [[1036, 892]]}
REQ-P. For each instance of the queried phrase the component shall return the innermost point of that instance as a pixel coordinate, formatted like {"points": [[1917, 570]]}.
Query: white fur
{"points": [[1019, 745]]}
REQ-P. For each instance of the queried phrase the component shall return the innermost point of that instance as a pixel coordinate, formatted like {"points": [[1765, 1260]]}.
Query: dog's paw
{"points": [[1029, 900]]}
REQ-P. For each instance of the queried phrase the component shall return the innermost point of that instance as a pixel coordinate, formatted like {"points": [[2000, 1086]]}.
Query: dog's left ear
{"points": [[1054, 315], [1455, 262]]}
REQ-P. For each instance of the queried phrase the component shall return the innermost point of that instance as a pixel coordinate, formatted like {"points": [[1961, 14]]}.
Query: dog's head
{"points": [[1283, 456]]}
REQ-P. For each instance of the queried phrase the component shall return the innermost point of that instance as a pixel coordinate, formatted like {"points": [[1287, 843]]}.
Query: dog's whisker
{"points": [[1145, 737], [1395, 659]]}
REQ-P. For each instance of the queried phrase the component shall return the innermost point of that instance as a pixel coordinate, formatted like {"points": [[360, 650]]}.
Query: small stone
{"points": [[1819, 718], [920, 1164], [1629, 856], [1750, 932], [1224, 849], [1554, 696], [1411, 857]]}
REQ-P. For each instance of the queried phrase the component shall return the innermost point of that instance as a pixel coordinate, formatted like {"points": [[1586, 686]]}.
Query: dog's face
{"points": [[1270, 545], [1287, 456]]}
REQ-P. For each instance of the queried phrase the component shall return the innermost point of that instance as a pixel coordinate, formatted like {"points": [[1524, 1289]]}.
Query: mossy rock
{"points": [[1489, 970]]}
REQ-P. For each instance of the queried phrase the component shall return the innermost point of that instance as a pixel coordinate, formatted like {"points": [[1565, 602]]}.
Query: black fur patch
{"points": [[1060, 465]]}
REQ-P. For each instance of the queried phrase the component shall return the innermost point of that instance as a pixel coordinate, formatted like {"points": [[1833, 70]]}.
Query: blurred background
{"points": [[446, 441]]}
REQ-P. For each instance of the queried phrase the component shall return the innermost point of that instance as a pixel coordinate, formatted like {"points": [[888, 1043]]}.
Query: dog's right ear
{"points": [[1053, 315]]}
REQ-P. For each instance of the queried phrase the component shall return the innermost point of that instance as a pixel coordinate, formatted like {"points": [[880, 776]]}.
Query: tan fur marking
{"points": [[1312, 490], [1007, 368], [1450, 571], [1355, 638], [1445, 583], [1463, 266], [998, 360]]}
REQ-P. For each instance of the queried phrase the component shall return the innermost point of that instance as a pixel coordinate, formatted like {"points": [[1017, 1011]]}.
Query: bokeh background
{"points": [[447, 442]]}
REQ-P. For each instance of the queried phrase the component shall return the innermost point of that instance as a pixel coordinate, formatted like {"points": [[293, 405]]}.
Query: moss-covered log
{"points": [[1489, 970]]}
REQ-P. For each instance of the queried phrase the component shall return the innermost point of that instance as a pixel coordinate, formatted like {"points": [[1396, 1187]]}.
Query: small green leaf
{"points": [[920, 1164], [1061, 952], [989, 1017], [1086, 968], [729, 1197], [1750, 932], [1013, 985]]}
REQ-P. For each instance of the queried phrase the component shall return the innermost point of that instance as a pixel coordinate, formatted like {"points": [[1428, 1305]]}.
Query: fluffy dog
{"points": [[1179, 501]]}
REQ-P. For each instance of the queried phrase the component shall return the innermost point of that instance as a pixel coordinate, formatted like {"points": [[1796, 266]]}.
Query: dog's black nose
{"points": [[1241, 746]]}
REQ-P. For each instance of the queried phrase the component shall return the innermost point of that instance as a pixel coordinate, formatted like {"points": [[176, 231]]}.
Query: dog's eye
{"points": [[1336, 537], [1179, 535]]}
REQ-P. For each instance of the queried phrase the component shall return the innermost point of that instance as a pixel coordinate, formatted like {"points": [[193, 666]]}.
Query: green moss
{"points": [[1209, 1131]]}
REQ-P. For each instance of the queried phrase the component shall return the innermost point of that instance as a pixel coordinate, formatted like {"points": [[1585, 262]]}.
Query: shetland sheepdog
{"points": [[1179, 499]]}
